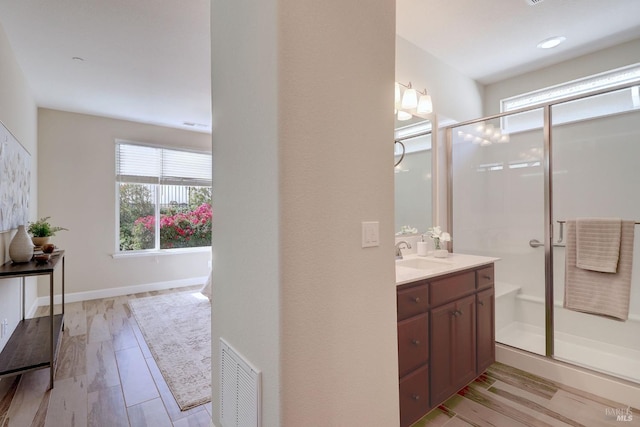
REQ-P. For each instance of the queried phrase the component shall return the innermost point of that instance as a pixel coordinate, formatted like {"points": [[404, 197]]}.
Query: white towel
{"points": [[595, 292], [598, 244]]}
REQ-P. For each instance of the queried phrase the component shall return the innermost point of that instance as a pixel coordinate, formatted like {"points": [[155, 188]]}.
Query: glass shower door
{"points": [[595, 150], [498, 209]]}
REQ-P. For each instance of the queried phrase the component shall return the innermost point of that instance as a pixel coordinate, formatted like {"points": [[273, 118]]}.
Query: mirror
{"points": [[413, 181]]}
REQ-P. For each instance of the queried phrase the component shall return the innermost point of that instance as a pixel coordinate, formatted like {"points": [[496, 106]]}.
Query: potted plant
{"points": [[41, 231]]}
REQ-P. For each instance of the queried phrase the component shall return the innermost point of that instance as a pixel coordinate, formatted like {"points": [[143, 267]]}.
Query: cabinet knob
{"points": [[416, 299], [481, 302], [415, 342], [486, 276], [415, 397], [456, 313]]}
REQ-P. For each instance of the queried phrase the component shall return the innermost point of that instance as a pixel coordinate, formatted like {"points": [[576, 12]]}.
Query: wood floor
{"points": [[509, 397], [102, 342], [106, 376]]}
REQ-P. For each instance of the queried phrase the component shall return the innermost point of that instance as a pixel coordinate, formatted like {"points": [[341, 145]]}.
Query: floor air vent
{"points": [[239, 390]]}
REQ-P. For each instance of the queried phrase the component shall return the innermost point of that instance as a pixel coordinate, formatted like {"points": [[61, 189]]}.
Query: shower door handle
{"points": [[535, 243]]}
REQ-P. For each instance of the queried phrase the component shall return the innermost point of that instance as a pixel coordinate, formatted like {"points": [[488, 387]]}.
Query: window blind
{"points": [[152, 165]]}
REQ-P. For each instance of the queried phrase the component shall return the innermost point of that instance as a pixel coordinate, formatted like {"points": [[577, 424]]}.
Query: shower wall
{"points": [[498, 205], [596, 174]]}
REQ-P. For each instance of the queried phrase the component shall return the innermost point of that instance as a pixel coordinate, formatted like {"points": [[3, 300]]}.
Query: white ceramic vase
{"points": [[21, 246], [441, 253]]}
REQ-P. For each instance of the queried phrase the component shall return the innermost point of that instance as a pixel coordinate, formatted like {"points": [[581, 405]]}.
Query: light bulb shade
{"points": [[410, 98], [403, 115], [397, 101], [425, 106]]}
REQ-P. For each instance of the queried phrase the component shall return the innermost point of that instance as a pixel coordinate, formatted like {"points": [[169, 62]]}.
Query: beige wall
{"points": [[77, 189], [455, 96], [18, 113], [586, 65], [295, 292]]}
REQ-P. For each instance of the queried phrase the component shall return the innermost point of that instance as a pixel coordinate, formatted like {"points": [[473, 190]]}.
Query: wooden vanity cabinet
{"points": [[446, 337]]}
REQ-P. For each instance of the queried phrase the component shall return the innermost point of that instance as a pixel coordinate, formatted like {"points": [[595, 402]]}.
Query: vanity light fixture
{"points": [[425, 105], [551, 42], [410, 97], [407, 99]]}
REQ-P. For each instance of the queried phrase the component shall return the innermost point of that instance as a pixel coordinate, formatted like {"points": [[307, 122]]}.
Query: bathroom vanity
{"points": [[446, 328]]}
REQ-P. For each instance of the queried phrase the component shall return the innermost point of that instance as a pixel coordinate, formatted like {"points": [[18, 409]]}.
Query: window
{"points": [[163, 198], [614, 102]]}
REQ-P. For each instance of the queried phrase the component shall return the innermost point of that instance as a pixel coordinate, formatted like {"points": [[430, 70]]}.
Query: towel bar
{"points": [[562, 222]]}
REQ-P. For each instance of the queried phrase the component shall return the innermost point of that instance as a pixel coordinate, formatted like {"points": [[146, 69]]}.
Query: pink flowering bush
{"points": [[178, 228]]}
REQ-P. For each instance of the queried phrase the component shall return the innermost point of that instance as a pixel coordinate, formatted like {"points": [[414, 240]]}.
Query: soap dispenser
{"points": [[422, 246]]}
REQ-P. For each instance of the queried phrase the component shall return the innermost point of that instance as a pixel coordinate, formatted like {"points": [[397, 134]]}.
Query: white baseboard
{"points": [[114, 292], [621, 391]]}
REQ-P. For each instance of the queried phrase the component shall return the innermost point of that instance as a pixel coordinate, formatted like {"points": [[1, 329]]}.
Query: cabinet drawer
{"points": [[414, 396], [484, 277], [453, 287], [413, 343], [412, 301]]}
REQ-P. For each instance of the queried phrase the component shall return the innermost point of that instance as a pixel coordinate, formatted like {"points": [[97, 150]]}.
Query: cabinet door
{"points": [[464, 343], [441, 335], [486, 329], [453, 347]]}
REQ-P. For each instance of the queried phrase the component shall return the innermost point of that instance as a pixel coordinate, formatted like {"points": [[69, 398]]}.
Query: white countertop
{"points": [[413, 267]]}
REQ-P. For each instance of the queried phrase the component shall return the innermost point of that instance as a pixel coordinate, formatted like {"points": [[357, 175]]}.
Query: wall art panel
{"points": [[15, 176]]}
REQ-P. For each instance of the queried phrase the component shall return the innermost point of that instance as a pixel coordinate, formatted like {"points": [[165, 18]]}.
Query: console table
{"points": [[34, 343]]}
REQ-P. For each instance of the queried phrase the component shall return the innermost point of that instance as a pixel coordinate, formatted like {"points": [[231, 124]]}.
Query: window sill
{"points": [[162, 252]]}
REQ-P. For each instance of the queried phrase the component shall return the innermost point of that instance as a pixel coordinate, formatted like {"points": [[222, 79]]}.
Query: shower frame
{"points": [[547, 163]]}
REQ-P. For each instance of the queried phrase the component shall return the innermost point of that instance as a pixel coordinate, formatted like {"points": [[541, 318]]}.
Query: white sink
{"points": [[423, 264]]}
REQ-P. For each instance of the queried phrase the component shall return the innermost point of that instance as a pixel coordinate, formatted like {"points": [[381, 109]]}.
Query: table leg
{"points": [[63, 291], [51, 348], [23, 297]]}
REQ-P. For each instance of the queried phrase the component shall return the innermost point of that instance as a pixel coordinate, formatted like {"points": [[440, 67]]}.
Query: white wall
{"points": [[455, 96], [19, 114], [295, 292], [77, 189]]}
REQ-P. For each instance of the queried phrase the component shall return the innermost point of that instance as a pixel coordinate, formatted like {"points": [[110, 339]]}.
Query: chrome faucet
{"points": [[398, 251]]}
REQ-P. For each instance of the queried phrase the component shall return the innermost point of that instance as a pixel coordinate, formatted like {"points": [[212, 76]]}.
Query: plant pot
{"points": [[40, 241], [21, 248]]}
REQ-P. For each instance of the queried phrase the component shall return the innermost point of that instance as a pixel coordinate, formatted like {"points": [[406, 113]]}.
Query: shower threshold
{"points": [[611, 359]]}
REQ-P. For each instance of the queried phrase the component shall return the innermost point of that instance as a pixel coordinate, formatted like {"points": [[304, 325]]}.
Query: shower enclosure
{"points": [[514, 179]]}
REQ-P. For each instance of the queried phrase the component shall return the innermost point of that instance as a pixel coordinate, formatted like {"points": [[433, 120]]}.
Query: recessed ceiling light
{"points": [[551, 42]]}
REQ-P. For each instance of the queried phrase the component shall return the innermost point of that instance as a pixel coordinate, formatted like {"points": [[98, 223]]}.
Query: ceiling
{"points": [[149, 60], [143, 60], [495, 39]]}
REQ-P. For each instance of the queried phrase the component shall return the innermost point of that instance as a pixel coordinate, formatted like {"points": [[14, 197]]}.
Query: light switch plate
{"points": [[370, 234]]}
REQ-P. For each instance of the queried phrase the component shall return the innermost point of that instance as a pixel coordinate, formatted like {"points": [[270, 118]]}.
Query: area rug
{"points": [[177, 329]]}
